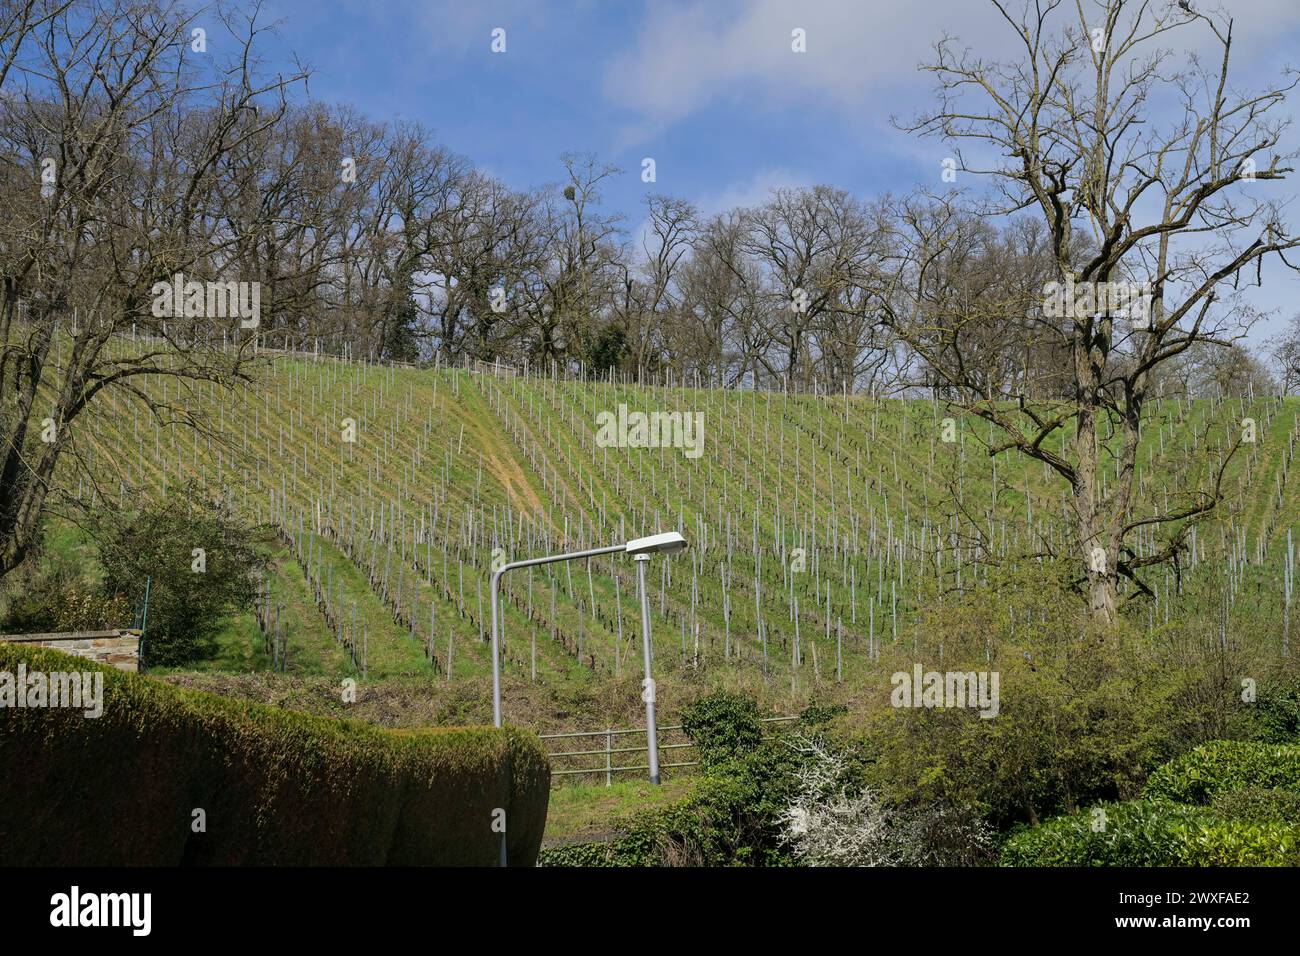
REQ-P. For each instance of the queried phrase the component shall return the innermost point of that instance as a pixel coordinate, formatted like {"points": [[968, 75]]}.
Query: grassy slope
{"points": [[448, 465], [588, 813]]}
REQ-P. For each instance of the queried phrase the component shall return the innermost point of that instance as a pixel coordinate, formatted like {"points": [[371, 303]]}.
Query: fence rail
{"points": [[608, 768]]}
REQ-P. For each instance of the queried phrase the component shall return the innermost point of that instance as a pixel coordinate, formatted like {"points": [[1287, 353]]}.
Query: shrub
{"points": [[186, 607], [723, 726], [1274, 716], [1086, 710], [832, 823], [939, 835], [276, 787], [663, 836], [1259, 804], [814, 715], [1074, 727], [1152, 833], [52, 592], [585, 853], [64, 607], [835, 822], [1222, 766]]}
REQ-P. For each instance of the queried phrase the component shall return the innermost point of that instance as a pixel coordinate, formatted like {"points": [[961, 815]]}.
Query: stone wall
{"points": [[120, 648]]}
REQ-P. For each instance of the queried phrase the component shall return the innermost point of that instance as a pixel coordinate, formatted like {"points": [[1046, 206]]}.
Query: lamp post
{"points": [[642, 549], [668, 542], [647, 685]]}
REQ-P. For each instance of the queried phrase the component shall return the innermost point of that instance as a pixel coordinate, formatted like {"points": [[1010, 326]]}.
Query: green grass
{"points": [[449, 466], [589, 812]]}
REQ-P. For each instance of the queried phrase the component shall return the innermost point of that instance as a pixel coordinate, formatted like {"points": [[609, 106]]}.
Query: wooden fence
{"points": [[609, 759]]}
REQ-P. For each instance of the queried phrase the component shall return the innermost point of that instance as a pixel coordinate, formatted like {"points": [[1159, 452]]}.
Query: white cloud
{"points": [[453, 26], [859, 56], [752, 191], [691, 53]]}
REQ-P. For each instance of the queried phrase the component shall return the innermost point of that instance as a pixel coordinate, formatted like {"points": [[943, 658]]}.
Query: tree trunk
{"points": [[1097, 530]]}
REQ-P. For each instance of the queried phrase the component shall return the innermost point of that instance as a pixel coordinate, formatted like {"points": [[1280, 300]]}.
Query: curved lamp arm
{"points": [[495, 589]]}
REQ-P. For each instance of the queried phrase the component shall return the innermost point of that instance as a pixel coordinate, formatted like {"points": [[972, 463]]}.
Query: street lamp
{"points": [[670, 542], [641, 549]]}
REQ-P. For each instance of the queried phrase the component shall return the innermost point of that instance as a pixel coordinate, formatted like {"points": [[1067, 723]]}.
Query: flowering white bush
{"points": [[829, 825], [832, 823]]}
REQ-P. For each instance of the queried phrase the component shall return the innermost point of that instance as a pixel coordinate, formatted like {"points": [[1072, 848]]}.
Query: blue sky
{"points": [[582, 76], [709, 88]]}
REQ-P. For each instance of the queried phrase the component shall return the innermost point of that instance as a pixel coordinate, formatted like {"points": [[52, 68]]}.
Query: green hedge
{"points": [[278, 787], [1153, 833], [1223, 766]]}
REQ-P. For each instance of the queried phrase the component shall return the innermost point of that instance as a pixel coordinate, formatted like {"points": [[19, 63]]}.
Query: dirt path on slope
{"points": [[506, 469]]}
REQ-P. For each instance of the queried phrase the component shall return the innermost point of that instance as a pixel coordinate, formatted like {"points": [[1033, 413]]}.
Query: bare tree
{"points": [[1074, 134], [567, 297], [1285, 349], [486, 248], [111, 101], [813, 244], [651, 307], [725, 299]]}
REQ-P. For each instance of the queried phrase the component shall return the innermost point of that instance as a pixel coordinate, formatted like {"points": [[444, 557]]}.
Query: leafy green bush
{"points": [[1258, 803], [585, 853], [203, 565], [1222, 766], [1080, 720], [275, 787], [1274, 716], [1152, 833], [723, 726], [1074, 727], [814, 715]]}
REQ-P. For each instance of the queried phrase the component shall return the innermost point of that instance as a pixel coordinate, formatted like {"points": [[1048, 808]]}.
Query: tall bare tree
{"points": [[651, 304], [1165, 169], [113, 127]]}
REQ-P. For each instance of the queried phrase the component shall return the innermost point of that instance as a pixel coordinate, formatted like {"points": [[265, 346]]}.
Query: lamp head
{"points": [[669, 542]]}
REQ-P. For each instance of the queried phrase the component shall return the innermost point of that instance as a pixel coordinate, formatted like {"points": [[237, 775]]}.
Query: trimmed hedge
{"points": [[1222, 766], [1153, 833], [277, 787]]}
